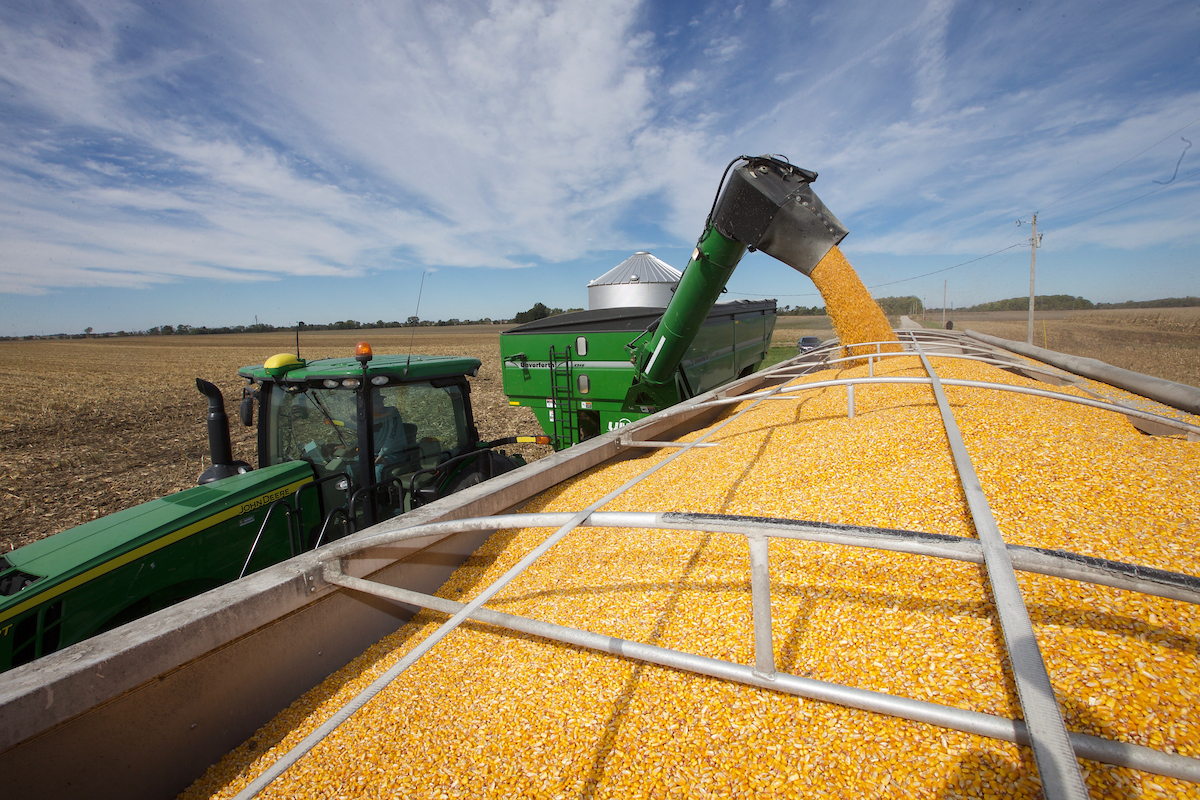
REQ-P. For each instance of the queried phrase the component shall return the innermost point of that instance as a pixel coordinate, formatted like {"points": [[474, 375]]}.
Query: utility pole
{"points": [[943, 305], [1035, 241]]}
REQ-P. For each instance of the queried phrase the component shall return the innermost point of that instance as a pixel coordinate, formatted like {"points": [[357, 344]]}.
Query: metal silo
{"points": [[640, 280]]}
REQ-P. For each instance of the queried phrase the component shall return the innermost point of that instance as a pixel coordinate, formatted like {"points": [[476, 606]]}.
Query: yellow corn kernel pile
{"points": [[855, 315], [495, 714]]}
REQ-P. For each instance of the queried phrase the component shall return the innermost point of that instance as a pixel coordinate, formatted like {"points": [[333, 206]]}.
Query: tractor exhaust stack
{"points": [[220, 447]]}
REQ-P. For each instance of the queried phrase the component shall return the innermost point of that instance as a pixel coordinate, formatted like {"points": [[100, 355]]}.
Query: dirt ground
{"points": [[92, 426], [1163, 342]]}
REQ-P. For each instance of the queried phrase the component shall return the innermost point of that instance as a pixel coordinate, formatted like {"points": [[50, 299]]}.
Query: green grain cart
{"points": [[589, 372], [575, 370]]}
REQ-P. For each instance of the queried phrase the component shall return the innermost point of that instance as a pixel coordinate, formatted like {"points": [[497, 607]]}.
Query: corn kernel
{"points": [[855, 315]]}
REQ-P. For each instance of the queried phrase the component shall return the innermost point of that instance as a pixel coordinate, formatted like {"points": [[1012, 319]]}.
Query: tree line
{"points": [[1066, 302], [538, 311], [892, 306]]}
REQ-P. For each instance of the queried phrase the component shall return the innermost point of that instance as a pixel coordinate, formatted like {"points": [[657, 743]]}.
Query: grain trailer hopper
{"points": [[882, 609]]}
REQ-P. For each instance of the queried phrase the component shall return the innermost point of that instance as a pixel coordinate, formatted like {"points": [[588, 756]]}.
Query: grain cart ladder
{"points": [[564, 414]]}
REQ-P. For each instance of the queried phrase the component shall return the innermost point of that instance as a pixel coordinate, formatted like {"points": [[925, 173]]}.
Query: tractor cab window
{"points": [[416, 425]]}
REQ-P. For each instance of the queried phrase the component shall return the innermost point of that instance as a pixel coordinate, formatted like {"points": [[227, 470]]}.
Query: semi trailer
{"points": [[146, 709]]}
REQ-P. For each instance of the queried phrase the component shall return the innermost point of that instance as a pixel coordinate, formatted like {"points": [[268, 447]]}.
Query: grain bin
{"points": [[640, 280]]}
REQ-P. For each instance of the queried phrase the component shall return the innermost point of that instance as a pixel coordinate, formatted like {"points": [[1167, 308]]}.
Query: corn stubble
{"points": [[495, 714]]}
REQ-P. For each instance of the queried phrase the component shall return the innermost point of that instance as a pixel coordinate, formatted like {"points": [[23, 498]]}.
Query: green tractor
{"points": [[343, 443]]}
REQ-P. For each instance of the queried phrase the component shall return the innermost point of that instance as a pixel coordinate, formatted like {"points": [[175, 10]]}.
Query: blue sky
{"points": [[214, 163]]}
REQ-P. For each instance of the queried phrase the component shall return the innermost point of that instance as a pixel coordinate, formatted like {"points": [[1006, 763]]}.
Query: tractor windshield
{"points": [[416, 426]]}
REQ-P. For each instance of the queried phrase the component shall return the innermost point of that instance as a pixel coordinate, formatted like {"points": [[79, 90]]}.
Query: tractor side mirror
{"points": [[300, 407], [246, 409]]}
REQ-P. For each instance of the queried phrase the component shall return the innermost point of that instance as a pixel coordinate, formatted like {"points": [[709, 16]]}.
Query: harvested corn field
{"points": [[493, 713]]}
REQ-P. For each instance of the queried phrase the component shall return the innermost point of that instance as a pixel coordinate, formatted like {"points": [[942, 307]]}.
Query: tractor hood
{"points": [[119, 538], [395, 368]]}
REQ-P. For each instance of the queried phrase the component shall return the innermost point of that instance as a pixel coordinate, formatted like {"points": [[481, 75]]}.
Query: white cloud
{"points": [[930, 55], [484, 136], [275, 139], [683, 88]]}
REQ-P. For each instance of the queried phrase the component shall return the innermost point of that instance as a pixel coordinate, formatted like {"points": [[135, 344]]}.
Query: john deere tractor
{"points": [[342, 443]]}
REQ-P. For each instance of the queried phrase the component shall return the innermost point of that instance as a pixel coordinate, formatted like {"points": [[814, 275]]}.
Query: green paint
{"points": [[136, 561], [703, 280], [726, 341]]}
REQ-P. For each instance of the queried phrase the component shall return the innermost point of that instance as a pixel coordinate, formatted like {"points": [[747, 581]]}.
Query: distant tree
{"points": [[1042, 302], [1166, 302], [87, 331], [900, 305], [539, 311]]}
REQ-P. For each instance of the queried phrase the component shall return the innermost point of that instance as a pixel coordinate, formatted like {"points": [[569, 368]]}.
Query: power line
{"points": [[1118, 166], [947, 269], [1191, 174]]}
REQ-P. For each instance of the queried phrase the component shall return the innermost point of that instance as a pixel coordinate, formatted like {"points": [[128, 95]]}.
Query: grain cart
{"points": [[574, 370], [342, 443], [594, 371]]}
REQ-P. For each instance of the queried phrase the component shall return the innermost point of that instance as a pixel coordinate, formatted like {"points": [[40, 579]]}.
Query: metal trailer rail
{"points": [[1177, 395], [470, 608], [1174, 426], [1057, 765], [763, 674], [163, 698], [1043, 727]]}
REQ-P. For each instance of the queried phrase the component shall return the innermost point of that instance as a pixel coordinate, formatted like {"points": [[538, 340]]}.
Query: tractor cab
{"points": [[383, 434]]}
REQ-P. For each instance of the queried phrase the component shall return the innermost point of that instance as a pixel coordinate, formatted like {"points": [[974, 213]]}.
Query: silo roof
{"points": [[641, 267]]}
